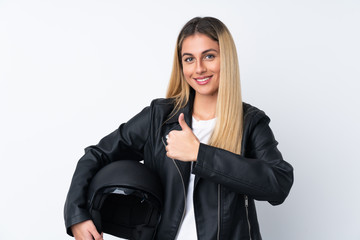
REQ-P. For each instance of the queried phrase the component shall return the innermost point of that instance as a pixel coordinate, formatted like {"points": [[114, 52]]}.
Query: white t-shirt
{"points": [[202, 130]]}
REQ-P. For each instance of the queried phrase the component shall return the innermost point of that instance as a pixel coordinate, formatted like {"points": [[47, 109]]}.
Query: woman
{"points": [[213, 153]]}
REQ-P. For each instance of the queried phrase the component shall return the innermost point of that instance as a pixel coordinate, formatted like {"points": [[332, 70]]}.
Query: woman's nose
{"points": [[200, 67]]}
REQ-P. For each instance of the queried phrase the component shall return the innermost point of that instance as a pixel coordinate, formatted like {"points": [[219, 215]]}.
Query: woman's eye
{"points": [[210, 56], [189, 59]]}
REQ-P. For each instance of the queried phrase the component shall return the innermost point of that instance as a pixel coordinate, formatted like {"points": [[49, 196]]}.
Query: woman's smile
{"points": [[203, 80]]}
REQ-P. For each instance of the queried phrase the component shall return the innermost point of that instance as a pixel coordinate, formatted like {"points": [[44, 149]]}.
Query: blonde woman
{"points": [[214, 154]]}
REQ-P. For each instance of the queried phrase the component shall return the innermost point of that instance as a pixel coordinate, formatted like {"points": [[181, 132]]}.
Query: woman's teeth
{"points": [[203, 80]]}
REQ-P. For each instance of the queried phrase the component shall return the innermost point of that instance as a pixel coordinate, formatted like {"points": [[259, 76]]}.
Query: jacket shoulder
{"points": [[252, 118], [163, 104], [162, 101], [161, 108], [252, 115]]}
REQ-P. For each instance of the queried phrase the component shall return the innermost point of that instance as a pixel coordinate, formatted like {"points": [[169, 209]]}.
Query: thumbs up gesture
{"points": [[182, 145]]}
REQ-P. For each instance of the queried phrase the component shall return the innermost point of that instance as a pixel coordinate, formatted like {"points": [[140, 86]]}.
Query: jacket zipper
{"points": [[247, 213], [184, 191], [219, 198]]}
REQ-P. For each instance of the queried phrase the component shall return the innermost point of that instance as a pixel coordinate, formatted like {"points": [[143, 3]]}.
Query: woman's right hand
{"points": [[86, 231]]}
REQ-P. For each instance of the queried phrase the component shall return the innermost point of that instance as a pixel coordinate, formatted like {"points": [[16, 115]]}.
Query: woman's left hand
{"points": [[182, 145]]}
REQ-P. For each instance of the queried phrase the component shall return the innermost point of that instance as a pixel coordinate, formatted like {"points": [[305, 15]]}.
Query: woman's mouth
{"points": [[203, 80]]}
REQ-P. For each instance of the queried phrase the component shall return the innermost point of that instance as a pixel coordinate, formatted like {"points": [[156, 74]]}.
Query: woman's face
{"points": [[200, 56]]}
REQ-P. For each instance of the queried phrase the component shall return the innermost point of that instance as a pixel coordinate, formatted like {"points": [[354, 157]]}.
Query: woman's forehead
{"points": [[198, 43]]}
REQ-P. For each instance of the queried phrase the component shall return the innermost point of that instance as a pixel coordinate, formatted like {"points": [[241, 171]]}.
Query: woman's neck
{"points": [[204, 107]]}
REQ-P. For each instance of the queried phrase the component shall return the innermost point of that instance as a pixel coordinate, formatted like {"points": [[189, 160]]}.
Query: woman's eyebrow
{"points": [[209, 50], [206, 51], [184, 54]]}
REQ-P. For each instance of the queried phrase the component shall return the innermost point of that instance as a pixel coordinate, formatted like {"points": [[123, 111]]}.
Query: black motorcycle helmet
{"points": [[125, 200]]}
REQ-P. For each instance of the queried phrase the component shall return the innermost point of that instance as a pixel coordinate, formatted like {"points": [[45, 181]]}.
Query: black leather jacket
{"points": [[226, 184]]}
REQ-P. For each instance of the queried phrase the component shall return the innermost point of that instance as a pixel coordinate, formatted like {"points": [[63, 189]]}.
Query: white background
{"points": [[71, 71]]}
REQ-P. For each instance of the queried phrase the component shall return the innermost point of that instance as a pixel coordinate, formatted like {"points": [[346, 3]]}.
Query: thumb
{"points": [[182, 123]]}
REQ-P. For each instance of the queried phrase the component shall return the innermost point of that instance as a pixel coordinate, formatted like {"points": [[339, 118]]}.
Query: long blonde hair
{"points": [[227, 133]]}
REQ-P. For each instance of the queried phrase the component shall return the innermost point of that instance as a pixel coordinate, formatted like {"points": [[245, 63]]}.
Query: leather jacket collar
{"points": [[187, 110]]}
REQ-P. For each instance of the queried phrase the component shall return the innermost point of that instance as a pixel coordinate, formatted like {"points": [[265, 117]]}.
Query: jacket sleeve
{"points": [[264, 175], [127, 142]]}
